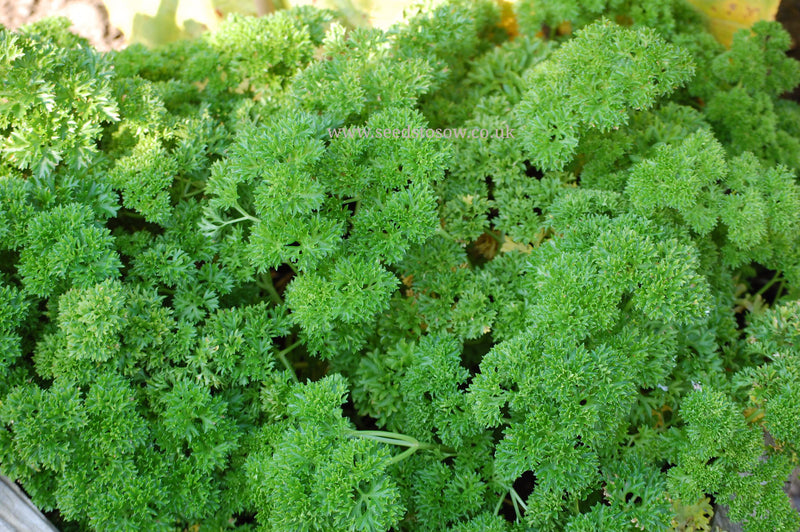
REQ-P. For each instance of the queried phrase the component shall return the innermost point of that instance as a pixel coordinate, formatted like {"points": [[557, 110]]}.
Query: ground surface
{"points": [[89, 18]]}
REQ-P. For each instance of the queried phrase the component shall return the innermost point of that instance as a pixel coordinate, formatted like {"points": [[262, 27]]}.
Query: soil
{"points": [[89, 18]]}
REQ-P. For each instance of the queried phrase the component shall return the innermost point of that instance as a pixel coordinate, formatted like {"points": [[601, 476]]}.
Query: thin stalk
{"points": [[288, 366], [775, 279], [402, 456], [497, 238], [289, 349], [195, 193], [188, 184], [628, 305], [265, 282], [285, 361], [516, 507], [395, 438], [244, 213], [235, 220], [499, 504], [754, 415], [441, 230], [515, 496], [130, 214]]}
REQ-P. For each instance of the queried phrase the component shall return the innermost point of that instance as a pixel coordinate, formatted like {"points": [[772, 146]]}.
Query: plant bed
{"points": [[484, 271]]}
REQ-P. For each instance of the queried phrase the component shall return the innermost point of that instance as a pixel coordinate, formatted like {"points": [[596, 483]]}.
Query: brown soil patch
{"points": [[89, 18]]}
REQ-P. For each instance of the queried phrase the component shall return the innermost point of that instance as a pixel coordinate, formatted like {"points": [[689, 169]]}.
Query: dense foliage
{"points": [[215, 313]]}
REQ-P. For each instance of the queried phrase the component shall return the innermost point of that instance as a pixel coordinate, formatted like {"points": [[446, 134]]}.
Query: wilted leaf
{"points": [[155, 22], [510, 245], [508, 18], [726, 17]]}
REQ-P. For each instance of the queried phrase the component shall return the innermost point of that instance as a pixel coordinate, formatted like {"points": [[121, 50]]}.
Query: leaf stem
{"points": [[244, 213], [499, 503], [514, 502], [754, 415], [401, 440], [265, 282], [775, 279], [442, 231], [281, 355], [515, 496], [497, 237]]}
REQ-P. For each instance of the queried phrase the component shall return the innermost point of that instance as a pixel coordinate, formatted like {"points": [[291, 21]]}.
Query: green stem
{"points": [[515, 496], [754, 415], [628, 305], [195, 193], [130, 214], [402, 456], [285, 361], [499, 504], [441, 230], [780, 289], [289, 349], [188, 184], [288, 367], [236, 220], [516, 507], [265, 282], [767, 286], [498, 238], [244, 213], [395, 438]]}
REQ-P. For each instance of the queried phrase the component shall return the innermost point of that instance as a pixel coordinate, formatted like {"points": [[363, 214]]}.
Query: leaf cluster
{"points": [[218, 312]]}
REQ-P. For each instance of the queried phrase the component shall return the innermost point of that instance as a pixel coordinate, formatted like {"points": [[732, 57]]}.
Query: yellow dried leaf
{"points": [[692, 517], [508, 18], [246, 7], [156, 22], [510, 245], [726, 17], [753, 415]]}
